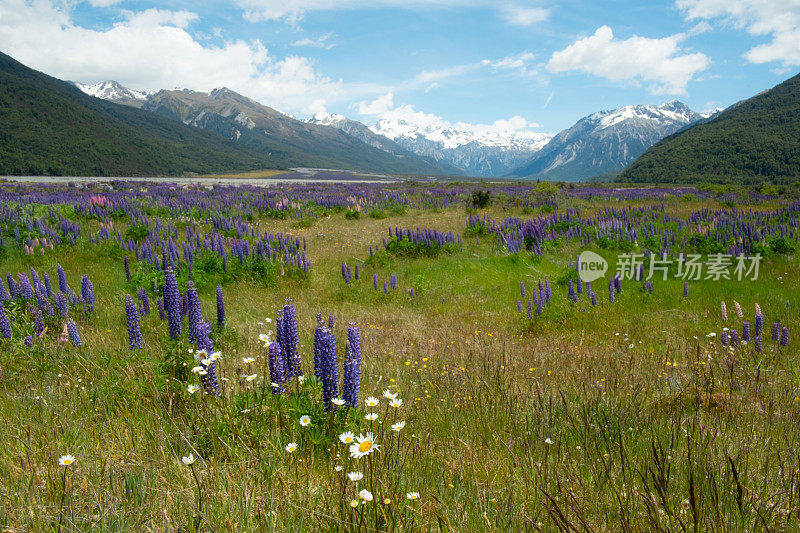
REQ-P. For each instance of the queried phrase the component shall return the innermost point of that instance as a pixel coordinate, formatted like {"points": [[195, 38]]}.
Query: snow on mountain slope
{"points": [[111, 90], [607, 141]]}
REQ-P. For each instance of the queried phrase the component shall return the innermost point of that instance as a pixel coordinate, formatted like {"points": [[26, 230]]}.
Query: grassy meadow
{"points": [[622, 416]]}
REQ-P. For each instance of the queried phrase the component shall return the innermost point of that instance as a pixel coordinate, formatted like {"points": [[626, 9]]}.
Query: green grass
{"points": [[607, 418]]}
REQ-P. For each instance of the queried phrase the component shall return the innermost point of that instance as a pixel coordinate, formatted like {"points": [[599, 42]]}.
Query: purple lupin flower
{"points": [[62, 279], [277, 373], [393, 281], [48, 288], [5, 325], [611, 292], [746, 331], [776, 331], [593, 295], [132, 316], [547, 292], [522, 288], [318, 340], [143, 296], [570, 290], [685, 289], [759, 325], [785, 336], [375, 281], [172, 304], [331, 321], [3, 292], [28, 341], [734, 337], [329, 370], [193, 311], [87, 293], [530, 309], [26, 289], [519, 306], [724, 338], [13, 287], [127, 263], [220, 308], [72, 331], [385, 287], [62, 305], [290, 340], [758, 344], [352, 368], [38, 322]]}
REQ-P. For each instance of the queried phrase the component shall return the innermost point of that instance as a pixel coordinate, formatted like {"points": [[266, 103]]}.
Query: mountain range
{"points": [[599, 144], [286, 141], [606, 142]]}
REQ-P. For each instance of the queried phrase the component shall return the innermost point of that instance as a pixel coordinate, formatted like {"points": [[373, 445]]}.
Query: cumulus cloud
{"points": [[153, 49], [779, 20], [660, 63], [379, 106], [382, 108]]}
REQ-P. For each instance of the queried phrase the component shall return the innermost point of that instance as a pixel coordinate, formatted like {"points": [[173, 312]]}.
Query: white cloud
{"points": [[779, 19], [319, 42], [383, 109], [104, 3], [660, 63], [379, 106], [524, 16], [153, 49]]}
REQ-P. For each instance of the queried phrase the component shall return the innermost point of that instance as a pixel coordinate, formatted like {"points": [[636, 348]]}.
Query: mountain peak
{"points": [[111, 90]]}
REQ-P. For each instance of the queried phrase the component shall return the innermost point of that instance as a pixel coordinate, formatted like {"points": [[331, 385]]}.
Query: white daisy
{"points": [[305, 420], [192, 389], [291, 447], [199, 370], [371, 416], [66, 460], [250, 377], [347, 437], [214, 356], [412, 495], [396, 402], [389, 395], [188, 460], [365, 495], [263, 337], [338, 402], [355, 476], [372, 401], [364, 445], [398, 426], [338, 468], [248, 360]]}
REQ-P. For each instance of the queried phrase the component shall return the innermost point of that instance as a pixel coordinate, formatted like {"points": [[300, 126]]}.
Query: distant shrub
{"points": [[481, 199], [352, 214]]}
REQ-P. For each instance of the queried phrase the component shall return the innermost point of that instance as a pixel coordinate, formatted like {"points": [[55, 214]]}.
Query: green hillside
{"points": [[755, 141], [49, 127]]}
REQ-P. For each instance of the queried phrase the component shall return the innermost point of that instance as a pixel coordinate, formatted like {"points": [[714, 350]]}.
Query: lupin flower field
{"points": [[398, 357]]}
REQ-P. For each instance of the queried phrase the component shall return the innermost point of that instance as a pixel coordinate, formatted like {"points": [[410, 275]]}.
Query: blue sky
{"points": [[540, 65]]}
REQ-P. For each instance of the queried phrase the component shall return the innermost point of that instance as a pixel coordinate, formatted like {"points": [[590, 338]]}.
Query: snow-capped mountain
{"points": [[606, 142], [111, 90], [286, 140], [477, 150], [358, 130]]}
